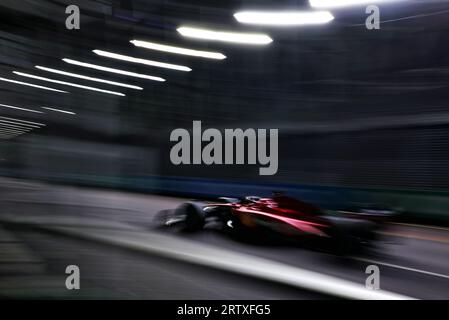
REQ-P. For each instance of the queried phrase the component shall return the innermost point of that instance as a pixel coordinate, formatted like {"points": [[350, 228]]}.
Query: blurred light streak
{"points": [[10, 126], [23, 121], [68, 83], [18, 124], [74, 75], [19, 108], [141, 61], [59, 110], [345, 3], [234, 37], [113, 70], [32, 85], [178, 50], [283, 18]]}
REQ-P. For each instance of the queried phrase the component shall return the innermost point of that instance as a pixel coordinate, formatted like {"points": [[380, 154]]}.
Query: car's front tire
{"points": [[193, 214]]}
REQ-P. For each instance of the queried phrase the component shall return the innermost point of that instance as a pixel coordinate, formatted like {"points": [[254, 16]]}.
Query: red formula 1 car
{"points": [[283, 217]]}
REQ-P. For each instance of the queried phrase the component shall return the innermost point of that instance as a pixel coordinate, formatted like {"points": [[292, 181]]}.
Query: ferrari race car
{"points": [[283, 217]]}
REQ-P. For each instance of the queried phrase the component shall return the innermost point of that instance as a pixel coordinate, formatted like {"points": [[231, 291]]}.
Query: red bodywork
{"points": [[281, 214]]}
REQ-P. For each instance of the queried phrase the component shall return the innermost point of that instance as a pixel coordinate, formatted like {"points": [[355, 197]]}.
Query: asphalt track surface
{"points": [[413, 260]]}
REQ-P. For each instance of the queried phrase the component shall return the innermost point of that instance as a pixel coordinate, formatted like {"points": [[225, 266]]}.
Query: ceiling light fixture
{"points": [[24, 121], [283, 18], [18, 124], [13, 127], [79, 76], [141, 61], [178, 50], [67, 83], [113, 70], [59, 110], [19, 108], [31, 85], [234, 37]]}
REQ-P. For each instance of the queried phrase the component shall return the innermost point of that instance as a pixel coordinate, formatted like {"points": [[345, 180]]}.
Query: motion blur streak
{"points": [[19, 108], [235, 37], [287, 18], [178, 50], [141, 61], [69, 74], [67, 83], [113, 70], [31, 85], [23, 121], [59, 110]]}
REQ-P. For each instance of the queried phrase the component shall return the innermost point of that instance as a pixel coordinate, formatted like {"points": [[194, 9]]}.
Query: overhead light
{"points": [[178, 50], [18, 108], [31, 85], [113, 70], [69, 74], [11, 126], [59, 110], [18, 123], [15, 129], [344, 3], [67, 83], [23, 121], [141, 61], [235, 37], [283, 18]]}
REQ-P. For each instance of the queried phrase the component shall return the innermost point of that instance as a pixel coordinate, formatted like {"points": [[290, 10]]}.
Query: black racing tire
{"points": [[194, 218]]}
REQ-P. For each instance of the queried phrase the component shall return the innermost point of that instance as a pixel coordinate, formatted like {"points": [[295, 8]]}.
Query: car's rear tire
{"points": [[193, 214]]}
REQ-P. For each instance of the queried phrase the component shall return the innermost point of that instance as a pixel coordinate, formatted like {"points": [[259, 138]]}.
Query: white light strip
{"points": [[178, 50], [12, 130], [59, 110], [245, 38], [24, 121], [18, 124], [18, 108], [12, 127], [345, 3], [283, 18], [68, 83], [31, 85], [74, 75], [141, 61], [106, 69]]}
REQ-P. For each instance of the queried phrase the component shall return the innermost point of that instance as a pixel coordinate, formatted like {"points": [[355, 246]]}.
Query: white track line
{"points": [[402, 267], [205, 255]]}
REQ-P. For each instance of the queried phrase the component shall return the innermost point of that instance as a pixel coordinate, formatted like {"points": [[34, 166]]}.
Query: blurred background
{"points": [[362, 117]]}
